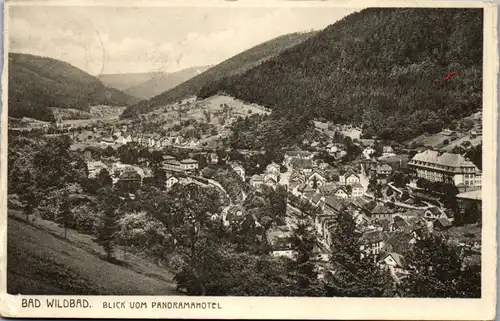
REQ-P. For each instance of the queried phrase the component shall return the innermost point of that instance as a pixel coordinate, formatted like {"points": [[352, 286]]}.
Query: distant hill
{"points": [[232, 66], [162, 82], [38, 83], [127, 80], [382, 68]]}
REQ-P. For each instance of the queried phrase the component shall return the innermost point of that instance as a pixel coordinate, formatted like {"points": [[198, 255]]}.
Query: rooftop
{"points": [[445, 159], [472, 195], [188, 161]]}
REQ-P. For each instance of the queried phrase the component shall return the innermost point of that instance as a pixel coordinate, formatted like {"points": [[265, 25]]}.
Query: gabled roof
{"points": [[334, 203], [398, 258], [446, 159], [295, 153], [257, 178], [434, 210], [309, 189], [316, 198], [327, 188], [318, 172], [443, 222], [130, 175], [372, 237]]}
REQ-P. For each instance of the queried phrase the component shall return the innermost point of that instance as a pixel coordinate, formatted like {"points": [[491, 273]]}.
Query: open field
{"points": [[41, 261]]}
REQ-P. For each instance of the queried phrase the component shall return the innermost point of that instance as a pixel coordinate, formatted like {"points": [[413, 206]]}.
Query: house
{"points": [[256, 180], [129, 180], [382, 173], [341, 192], [316, 179], [328, 189], [333, 205], [303, 165], [214, 159], [171, 181], [189, 164], [376, 210], [349, 178], [317, 199], [163, 142], [332, 150], [445, 167], [299, 154], [270, 180], [387, 151], [448, 132], [398, 224], [470, 202], [371, 243], [434, 213], [94, 168], [394, 262], [167, 159], [324, 166], [441, 224], [367, 152], [108, 141], [357, 190], [281, 246], [273, 168], [240, 170], [123, 139]]}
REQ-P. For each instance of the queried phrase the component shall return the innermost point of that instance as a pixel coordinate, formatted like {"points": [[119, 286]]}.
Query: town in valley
{"points": [[233, 190]]}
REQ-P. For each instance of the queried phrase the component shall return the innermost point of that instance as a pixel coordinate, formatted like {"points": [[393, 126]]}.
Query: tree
{"points": [[30, 202], [107, 226], [304, 264], [104, 178], [185, 212], [65, 216], [436, 271], [353, 274]]}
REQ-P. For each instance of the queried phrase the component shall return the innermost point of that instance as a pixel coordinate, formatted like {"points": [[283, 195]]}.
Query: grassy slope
{"points": [[41, 261], [232, 66], [37, 83]]}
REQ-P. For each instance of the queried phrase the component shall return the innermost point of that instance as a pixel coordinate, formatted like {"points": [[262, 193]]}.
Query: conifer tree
{"points": [[353, 275], [107, 226]]}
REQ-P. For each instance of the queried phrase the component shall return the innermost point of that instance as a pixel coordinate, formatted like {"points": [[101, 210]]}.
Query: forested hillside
{"points": [[232, 66], [163, 81], [383, 68], [38, 83], [126, 80]]}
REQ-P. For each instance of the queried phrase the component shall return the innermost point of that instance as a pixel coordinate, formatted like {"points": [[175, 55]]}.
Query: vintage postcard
{"points": [[249, 159]]}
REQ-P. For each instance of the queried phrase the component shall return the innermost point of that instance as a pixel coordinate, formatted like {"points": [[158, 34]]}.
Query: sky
{"points": [[103, 40]]}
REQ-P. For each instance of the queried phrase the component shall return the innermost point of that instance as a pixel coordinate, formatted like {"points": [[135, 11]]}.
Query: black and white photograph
{"points": [[246, 151]]}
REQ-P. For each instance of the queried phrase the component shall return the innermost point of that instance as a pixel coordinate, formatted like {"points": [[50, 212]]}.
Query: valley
{"points": [[323, 164]]}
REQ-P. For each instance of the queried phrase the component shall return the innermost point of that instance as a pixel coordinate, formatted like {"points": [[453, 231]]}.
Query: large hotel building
{"points": [[445, 167]]}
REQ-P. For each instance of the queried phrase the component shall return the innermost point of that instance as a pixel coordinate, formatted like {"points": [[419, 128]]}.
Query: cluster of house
{"points": [[148, 140], [271, 176], [386, 232], [119, 172]]}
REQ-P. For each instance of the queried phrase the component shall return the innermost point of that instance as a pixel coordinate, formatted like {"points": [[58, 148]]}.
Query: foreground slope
{"points": [[38, 83], [40, 261], [383, 68], [232, 66]]}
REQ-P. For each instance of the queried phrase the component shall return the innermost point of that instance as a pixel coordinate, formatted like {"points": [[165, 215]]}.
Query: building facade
{"points": [[446, 168]]}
